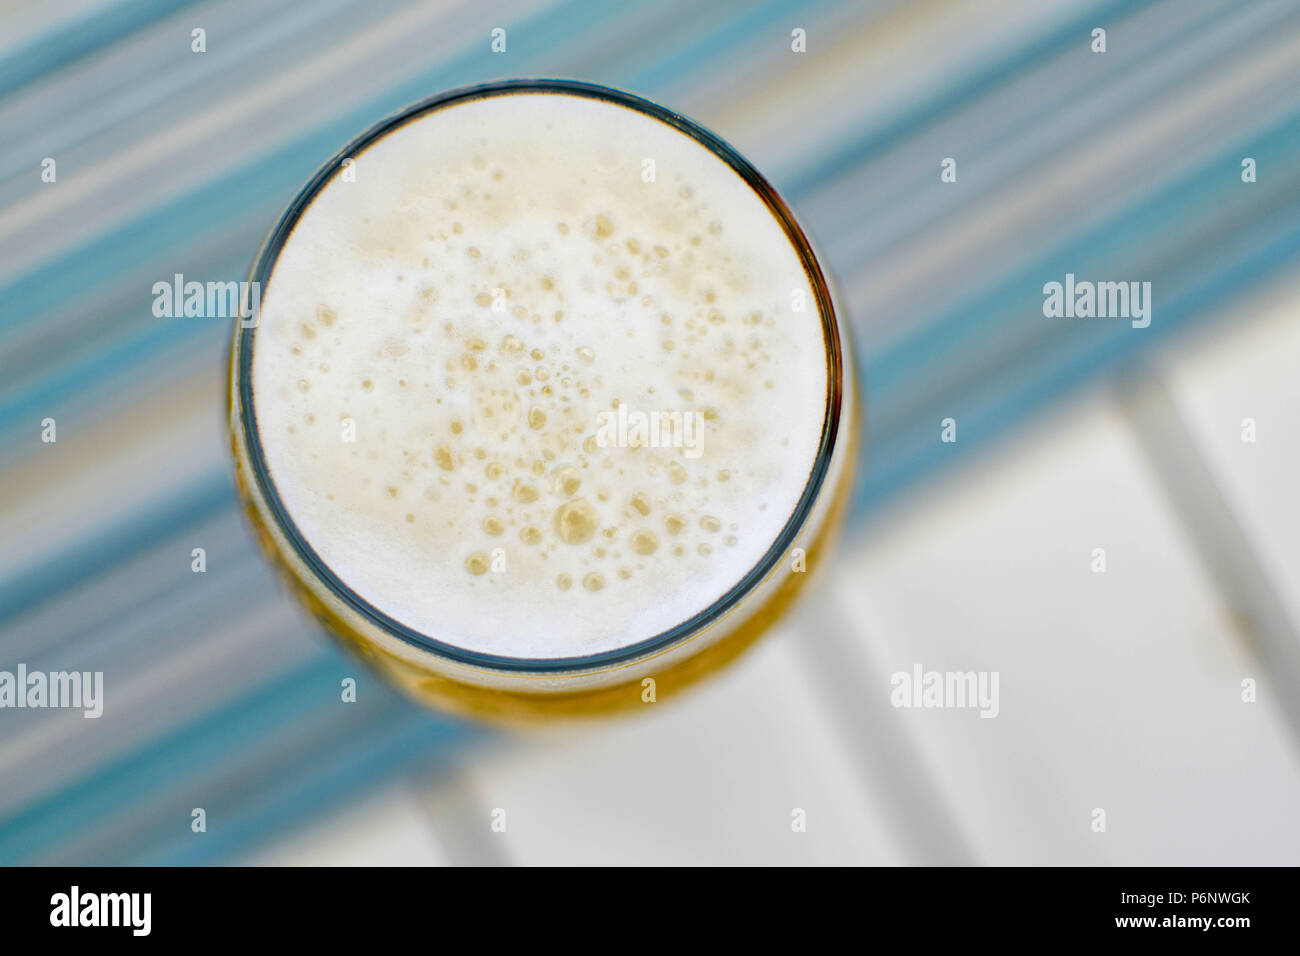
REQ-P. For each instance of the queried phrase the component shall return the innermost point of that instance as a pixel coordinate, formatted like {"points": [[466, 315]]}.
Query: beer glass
{"points": [[474, 579]]}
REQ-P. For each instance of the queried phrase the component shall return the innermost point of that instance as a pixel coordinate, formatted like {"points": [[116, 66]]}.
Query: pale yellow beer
{"points": [[546, 408]]}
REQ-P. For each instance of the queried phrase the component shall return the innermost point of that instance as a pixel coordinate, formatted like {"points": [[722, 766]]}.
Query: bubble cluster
{"points": [[547, 478], [563, 392]]}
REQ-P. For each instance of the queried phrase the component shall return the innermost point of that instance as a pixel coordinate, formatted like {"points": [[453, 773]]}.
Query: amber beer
{"points": [[546, 409]]}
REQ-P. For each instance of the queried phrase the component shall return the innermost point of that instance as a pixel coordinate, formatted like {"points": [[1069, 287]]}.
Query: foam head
{"points": [[544, 378]]}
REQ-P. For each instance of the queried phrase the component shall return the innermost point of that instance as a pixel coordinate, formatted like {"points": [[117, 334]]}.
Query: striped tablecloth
{"points": [[1116, 165]]}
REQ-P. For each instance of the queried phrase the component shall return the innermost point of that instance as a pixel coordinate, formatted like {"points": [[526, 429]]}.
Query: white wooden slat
{"points": [[387, 827], [1118, 690], [714, 778], [1247, 369]]}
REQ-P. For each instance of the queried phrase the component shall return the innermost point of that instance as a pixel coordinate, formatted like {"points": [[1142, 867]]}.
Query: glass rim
{"points": [[268, 255]]}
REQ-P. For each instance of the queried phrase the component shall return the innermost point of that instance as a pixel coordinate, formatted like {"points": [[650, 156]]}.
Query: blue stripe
{"points": [[275, 176], [79, 40], [1136, 226], [134, 532], [955, 97], [160, 767], [309, 787], [917, 451]]}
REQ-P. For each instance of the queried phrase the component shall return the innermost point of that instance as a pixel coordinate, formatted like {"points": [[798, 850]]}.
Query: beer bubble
{"points": [[566, 481], [575, 521], [645, 542]]}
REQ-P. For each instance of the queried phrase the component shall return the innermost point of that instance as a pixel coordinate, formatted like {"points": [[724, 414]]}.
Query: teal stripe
{"points": [[276, 175], [699, 49], [88, 371], [1112, 79], [311, 785], [1140, 224], [31, 833], [169, 601], [92, 555], [285, 38], [903, 461], [953, 99], [79, 40]]}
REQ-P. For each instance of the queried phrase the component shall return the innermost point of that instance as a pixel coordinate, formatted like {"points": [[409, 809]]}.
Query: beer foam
{"points": [[545, 379]]}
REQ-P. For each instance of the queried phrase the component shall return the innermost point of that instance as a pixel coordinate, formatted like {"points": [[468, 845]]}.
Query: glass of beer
{"points": [[546, 408]]}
